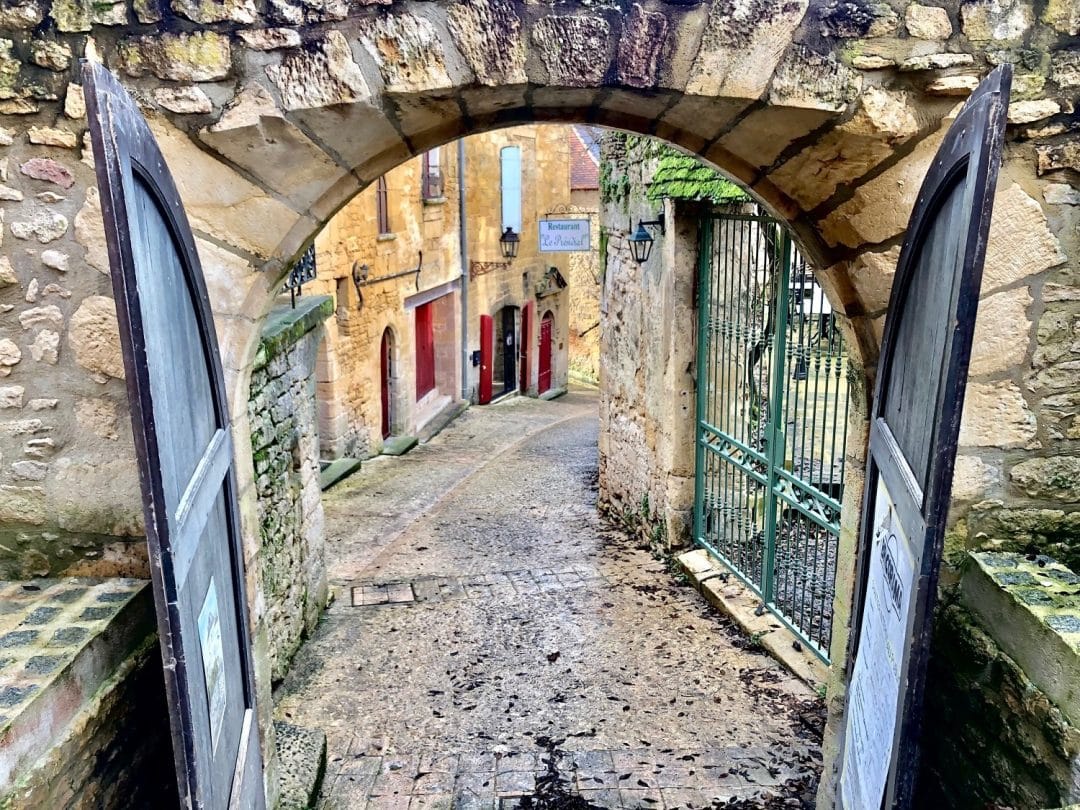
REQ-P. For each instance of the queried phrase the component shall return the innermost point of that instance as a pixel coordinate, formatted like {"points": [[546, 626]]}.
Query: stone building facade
{"points": [[391, 257], [381, 268], [586, 269], [273, 117], [523, 291]]}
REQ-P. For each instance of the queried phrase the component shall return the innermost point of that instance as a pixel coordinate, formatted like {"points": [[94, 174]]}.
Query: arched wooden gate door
{"points": [[181, 425], [914, 429]]}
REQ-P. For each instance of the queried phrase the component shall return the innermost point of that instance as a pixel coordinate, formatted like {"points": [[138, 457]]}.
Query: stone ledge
{"points": [[552, 393], [337, 470], [286, 325], [60, 640], [302, 755], [1031, 608], [398, 445], [715, 582]]}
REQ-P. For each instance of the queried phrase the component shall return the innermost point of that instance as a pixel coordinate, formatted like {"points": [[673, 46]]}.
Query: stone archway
{"points": [[273, 120]]}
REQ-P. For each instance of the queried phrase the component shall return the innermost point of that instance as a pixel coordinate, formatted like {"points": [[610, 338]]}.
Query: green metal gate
{"points": [[772, 403]]}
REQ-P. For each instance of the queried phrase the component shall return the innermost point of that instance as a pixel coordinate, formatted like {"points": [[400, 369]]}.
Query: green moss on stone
{"points": [[998, 740], [71, 15], [683, 177]]}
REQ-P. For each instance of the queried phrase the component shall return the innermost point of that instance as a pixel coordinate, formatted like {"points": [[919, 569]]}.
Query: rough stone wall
{"points": [[291, 565], [995, 739], [647, 351], [116, 753], [585, 277]]}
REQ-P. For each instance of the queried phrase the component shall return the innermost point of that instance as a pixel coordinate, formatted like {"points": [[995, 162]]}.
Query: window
{"points": [[382, 207], [510, 160], [432, 182], [425, 350]]}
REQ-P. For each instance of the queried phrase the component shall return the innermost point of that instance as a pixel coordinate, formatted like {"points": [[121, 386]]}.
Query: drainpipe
{"points": [[463, 246]]}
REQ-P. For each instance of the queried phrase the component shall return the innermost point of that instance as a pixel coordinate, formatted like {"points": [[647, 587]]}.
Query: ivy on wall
{"points": [[683, 177], [676, 175]]}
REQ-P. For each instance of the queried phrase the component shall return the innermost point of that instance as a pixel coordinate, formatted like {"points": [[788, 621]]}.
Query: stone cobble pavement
{"points": [[494, 643]]}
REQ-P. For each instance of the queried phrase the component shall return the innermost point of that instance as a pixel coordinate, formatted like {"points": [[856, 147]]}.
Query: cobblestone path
{"points": [[495, 644]]}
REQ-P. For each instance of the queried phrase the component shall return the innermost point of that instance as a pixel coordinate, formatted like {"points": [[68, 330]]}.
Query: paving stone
{"points": [[531, 621], [515, 783]]}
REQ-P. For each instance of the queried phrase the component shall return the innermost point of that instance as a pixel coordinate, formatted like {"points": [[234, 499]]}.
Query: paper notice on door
{"points": [[874, 692], [213, 660]]}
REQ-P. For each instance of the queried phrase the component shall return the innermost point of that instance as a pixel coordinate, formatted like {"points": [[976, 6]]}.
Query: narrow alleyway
{"points": [[493, 638]]}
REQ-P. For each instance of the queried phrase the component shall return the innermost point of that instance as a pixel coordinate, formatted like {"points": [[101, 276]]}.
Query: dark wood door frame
{"points": [[914, 430], [182, 432]]}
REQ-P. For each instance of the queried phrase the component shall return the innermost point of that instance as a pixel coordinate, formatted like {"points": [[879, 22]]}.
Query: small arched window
{"points": [[382, 206]]}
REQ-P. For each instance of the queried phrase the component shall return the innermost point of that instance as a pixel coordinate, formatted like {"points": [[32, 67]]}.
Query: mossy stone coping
{"points": [[1031, 607], [286, 325], [60, 640]]}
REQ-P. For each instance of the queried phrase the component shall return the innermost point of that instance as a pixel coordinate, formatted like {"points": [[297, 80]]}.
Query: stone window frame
{"points": [[431, 176], [382, 206]]}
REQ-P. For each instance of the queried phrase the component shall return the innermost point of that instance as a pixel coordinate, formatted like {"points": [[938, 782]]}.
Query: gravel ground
{"points": [[494, 643]]}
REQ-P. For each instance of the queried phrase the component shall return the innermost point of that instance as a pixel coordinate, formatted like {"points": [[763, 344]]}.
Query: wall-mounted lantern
{"points": [[641, 241], [509, 242]]}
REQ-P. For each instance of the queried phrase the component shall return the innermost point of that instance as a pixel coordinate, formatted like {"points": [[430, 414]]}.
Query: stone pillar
{"points": [[290, 566]]}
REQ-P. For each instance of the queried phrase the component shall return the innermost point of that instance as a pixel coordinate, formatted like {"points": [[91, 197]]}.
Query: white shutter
{"points": [[511, 188]]}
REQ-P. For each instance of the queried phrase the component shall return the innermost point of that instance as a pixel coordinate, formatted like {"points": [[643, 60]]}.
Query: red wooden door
{"points": [[526, 340], [384, 376], [543, 380], [425, 351], [487, 357]]}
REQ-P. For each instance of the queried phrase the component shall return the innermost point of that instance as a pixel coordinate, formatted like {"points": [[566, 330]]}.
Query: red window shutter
{"points": [[425, 351], [487, 357], [526, 342]]}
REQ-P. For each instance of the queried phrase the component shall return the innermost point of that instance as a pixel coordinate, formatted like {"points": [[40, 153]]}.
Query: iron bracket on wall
{"points": [[477, 269], [300, 273], [361, 280]]}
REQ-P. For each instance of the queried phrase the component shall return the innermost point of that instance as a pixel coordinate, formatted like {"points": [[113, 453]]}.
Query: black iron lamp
{"points": [[641, 241], [509, 242]]}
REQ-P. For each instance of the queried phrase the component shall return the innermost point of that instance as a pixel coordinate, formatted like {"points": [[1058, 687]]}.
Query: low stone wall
{"points": [[647, 399], [290, 567], [1001, 700], [83, 715]]}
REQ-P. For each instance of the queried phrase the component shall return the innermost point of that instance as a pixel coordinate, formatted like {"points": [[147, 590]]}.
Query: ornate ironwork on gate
{"points": [[772, 405]]}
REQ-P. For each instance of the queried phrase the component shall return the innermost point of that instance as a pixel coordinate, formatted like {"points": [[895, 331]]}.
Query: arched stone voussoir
{"points": [[219, 201], [254, 135], [426, 121]]}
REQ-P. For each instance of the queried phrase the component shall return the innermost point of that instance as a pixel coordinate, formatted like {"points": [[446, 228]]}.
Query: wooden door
{"points": [[487, 358], [509, 348], [543, 379], [384, 380], [425, 350], [180, 420], [914, 428]]}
